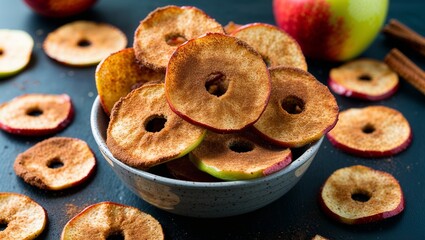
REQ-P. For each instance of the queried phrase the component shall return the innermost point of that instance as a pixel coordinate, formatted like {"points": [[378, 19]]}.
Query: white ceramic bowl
{"points": [[200, 199]]}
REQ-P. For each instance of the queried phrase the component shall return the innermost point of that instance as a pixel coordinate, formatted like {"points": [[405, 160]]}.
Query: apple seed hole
{"points": [[368, 128], [116, 235], [55, 163], [34, 112], [217, 84], [365, 77], [293, 104], [3, 225], [241, 146], [361, 196], [83, 43], [155, 123], [175, 39]]}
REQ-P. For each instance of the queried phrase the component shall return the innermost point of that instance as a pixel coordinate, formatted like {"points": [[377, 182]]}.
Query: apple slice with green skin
{"points": [[36, 114], [56, 163], [359, 195], [275, 46], [364, 79], [239, 156], [331, 29], [24, 218], [109, 220], [120, 73], [300, 111], [144, 131], [59, 8], [15, 51], [184, 169], [217, 82], [374, 131]]}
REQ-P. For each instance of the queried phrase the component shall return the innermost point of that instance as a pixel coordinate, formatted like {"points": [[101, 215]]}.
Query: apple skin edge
{"points": [[335, 29], [364, 220], [44, 8], [341, 90], [369, 154]]}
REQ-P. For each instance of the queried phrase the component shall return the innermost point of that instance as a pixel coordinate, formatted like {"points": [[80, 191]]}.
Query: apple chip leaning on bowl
{"points": [[143, 131]]}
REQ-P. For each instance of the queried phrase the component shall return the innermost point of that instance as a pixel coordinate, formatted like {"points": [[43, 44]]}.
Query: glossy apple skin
{"points": [[335, 30], [59, 8]]}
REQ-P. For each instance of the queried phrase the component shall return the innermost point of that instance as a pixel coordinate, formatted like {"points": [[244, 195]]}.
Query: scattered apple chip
{"points": [[301, 109], [36, 114], [83, 43], [165, 28], [22, 217], [239, 156], [120, 73], [374, 131], [359, 194], [109, 220], [56, 163], [144, 131], [365, 79], [15, 51], [275, 46], [227, 81], [184, 169]]}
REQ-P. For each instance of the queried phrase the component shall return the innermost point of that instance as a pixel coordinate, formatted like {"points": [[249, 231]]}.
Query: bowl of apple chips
{"points": [[216, 133]]}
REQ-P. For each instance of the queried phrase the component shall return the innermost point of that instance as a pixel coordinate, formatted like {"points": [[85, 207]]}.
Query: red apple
{"points": [[331, 29], [59, 8]]}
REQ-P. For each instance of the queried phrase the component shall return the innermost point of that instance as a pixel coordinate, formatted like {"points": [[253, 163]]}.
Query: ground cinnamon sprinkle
{"points": [[72, 210]]}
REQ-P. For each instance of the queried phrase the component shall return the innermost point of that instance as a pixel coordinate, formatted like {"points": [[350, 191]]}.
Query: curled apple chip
{"points": [[359, 194], [217, 82], [118, 74], [15, 51], [144, 131], [22, 217], [275, 46], [365, 79], [165, 28], [56, 163], [301, 109], [239, 156], [109, 220], [36, 114], [83, 43], [374, 131]]}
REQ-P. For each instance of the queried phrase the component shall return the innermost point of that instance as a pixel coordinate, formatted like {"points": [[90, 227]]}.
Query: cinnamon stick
{"points": [[408, 70], [402, 33]]}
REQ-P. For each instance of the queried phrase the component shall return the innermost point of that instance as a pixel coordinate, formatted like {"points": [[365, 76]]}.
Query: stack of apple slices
{"points": [[234, 107]]}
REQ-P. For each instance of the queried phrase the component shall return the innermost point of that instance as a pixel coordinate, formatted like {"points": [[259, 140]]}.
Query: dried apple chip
{"points": [[15, 51]]}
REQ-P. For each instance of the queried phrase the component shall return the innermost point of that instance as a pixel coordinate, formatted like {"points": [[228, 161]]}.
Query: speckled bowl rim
{"points": [[97, 110]]}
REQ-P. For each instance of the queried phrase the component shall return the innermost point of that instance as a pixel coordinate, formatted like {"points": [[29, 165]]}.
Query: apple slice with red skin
{"points": [[59, 8], [217, 82], [359, 195], [166, 28], [184, 169], [300, 111], [364, 79], [24, 218], [275, 46], [15, 51], [107, 220], [120, 73], [239, 156], [374, 131], [144, 131], [36, 114], [56, 163]]}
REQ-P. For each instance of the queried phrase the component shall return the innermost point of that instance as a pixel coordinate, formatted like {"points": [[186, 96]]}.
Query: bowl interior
{"points": [[99, 124]]}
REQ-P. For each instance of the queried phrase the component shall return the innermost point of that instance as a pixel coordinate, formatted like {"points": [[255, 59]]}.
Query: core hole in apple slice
{"points": [[116, 235], [175, 39], [293, 104], [1, 51], [217, 84], [241, 146], [155, 123], [84, 43], [3, 224], [361, 195], [368, 128], [55, 163], [34, 112], [365, 77]]}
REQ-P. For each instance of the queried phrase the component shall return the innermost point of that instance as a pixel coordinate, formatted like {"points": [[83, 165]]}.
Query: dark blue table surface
{"points": [[294, 216]]}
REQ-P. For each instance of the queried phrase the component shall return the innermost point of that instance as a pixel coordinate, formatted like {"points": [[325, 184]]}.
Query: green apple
{"points": [[335, 30], [15, 51]]}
